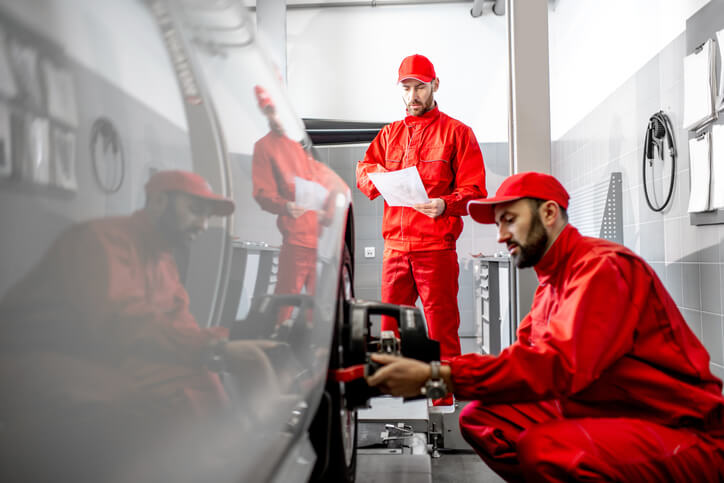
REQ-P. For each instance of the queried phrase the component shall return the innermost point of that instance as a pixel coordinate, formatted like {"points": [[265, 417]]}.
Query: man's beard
{"points": [[169, 226], [535, 245], [425, 107]]}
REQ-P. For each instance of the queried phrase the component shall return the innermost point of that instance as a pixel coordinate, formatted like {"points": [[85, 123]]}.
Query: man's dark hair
{"points": [[536, 202]]}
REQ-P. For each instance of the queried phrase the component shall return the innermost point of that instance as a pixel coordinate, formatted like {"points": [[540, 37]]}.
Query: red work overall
{"points": [[420, 258], [605, 382]]}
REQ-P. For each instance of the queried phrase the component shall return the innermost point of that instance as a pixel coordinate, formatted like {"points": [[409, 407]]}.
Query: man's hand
{"points": [[433, 209], [399, 376], [261, 386], [294, 210], [240, 355]]}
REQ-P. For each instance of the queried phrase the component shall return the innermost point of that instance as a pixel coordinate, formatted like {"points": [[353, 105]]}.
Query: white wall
{"points": [[596, 45], [106, 37], [342, 62]]}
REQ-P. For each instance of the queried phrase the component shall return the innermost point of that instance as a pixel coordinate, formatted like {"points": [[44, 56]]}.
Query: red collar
{"points": [[557, 255], [426, 118]]}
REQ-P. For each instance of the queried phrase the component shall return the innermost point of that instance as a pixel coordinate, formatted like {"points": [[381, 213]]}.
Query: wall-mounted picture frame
{"points": [[39, 149], [24, 63], [6, 160], [60, 93], [8, 87], [63, 157], [30, 147]]}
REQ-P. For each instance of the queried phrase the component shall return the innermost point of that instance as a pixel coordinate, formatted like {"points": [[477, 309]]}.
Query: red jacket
{"points": [[450, 163], [104, 318], [603, 337], [277, 161]]}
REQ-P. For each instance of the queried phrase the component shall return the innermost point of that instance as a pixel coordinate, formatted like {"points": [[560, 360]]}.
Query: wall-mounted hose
{"points": [[658, 130]]}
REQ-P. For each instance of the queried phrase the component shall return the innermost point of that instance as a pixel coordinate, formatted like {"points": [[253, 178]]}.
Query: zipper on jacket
{"points": [[407, 153]]}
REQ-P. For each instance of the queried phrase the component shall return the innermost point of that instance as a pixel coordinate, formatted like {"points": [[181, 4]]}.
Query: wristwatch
{"points": [[435, 387]]}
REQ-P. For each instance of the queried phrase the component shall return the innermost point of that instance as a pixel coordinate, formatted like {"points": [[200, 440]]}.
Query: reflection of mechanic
{"points": [[420, 257], [100, 354], [606, 380], [279, 164]]}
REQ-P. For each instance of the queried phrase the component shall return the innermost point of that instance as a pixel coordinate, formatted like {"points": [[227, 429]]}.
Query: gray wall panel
{"points": [[610, 139]]}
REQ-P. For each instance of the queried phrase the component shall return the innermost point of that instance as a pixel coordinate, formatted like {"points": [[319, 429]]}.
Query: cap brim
{"points": [[421, 78], [221, 206], [483, 211]]}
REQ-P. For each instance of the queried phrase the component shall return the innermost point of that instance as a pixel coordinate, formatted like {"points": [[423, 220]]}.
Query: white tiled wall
{"points": [[689, 259]]}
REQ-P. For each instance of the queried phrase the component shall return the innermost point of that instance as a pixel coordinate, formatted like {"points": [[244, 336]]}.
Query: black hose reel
{"points": [[658, 132]]}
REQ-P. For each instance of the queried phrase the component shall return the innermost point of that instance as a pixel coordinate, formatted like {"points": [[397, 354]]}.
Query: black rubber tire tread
{"points": [[326, 428]]}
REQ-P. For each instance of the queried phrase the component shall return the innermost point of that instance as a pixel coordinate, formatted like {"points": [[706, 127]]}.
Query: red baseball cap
{"points": [[190, 183], [416, 67], [521, 185]]}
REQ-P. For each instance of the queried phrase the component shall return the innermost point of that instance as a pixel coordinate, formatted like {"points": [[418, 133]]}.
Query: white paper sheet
{"points": [[699, 87], [720, 47], [309, 195], [717, 166], [700, 173], [400, 188]]}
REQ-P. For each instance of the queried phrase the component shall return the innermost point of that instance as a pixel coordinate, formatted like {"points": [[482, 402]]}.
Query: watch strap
{"points": [[435, 370]]}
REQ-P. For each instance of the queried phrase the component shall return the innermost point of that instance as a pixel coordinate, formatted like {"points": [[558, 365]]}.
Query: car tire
{"points": [[333, 431]]}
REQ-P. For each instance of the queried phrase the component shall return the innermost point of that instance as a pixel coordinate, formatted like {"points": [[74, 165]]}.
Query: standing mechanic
{"points": [[606, 380], [282, 173], [278, 164], [105, 373], [420, 258]]}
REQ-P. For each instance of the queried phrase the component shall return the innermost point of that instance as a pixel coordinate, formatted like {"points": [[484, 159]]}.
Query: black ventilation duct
{"points": [[330, 131]]}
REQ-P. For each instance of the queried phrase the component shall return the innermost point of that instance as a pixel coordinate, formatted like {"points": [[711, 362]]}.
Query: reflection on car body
{"points": [[90, 394], [290, 183]]}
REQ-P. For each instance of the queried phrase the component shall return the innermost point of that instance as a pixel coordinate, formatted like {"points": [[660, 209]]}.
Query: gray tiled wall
{"points": [[689, 259], [474, 239]]}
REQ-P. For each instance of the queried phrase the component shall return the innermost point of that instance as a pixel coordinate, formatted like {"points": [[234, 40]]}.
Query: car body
{"points": [[95, 97]]}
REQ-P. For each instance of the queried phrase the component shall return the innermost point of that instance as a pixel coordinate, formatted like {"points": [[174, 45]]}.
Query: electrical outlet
{"points": [[369, 252]]}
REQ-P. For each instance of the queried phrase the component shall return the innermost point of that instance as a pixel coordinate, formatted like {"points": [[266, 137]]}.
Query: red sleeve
{"points": [[266, 190], [373, 162], [524, 330], [115, 310], [334, 184], [469, 175], [591, 328]]}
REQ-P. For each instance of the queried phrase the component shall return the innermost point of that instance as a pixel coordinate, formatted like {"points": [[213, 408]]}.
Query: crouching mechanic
{"points": [[106, 374], [605, 382]]}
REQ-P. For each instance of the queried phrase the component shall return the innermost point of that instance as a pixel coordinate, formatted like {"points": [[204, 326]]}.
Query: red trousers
{"points": [[533, 442], [433, 276], [297, 270]]}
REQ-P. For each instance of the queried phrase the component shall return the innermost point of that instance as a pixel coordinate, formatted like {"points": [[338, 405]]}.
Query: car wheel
{"points": [[334, 429]]}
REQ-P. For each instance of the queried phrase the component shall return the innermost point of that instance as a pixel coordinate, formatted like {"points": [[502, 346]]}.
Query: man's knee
{"points": [[469, 416], [535, 446], [478, 427], [472, 424], [541, 457], [553, 452]]}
